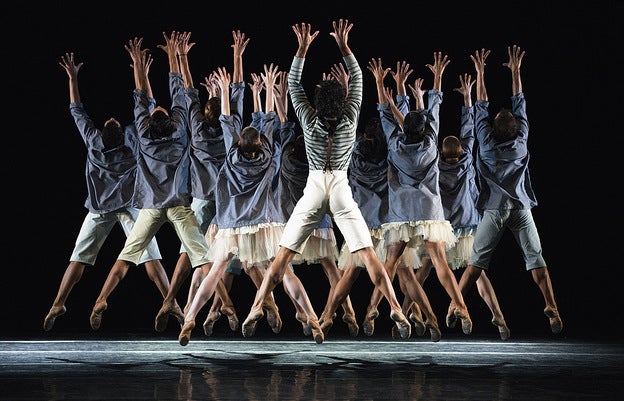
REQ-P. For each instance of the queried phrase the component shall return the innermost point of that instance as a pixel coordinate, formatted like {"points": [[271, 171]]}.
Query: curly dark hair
{"points": [[250, 141], [212, 111], [372, 142], [329, 99], [160, 125], [414, 126]]}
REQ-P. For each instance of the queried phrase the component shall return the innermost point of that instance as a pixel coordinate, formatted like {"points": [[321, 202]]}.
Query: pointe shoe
{"points": [[405, 327], [451, 320], [556, 325], [230, 312], [465, 320], [274, 319], [185, 333], [325, 326], [434, 330], [503, 330], [208, 325], [369, 322], [178, 314], [250, 323], [419, 325], [54, 312], [354, 329], [96, 315], [303, 319], [317, 332], [162, 317]]}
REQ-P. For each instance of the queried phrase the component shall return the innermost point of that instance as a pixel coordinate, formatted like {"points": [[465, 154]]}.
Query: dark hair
{"points": [[112, 135], [212, 111], [249, 141], [329, 99], [505, 126], [373, 143], [414, 125], [160, 125]]}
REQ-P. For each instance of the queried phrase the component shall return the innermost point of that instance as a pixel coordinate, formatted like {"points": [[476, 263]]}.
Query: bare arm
{"points": [[418, 94], [256, 89], [238, 47], [71, 68], [375, 66], [403, 71], [389, 97], [465, 88], [170, 47], [479, 62], [515, 60], [439, 64], [182, 48], [268, 78], [223, 79], [341, 34], [304, 38]]}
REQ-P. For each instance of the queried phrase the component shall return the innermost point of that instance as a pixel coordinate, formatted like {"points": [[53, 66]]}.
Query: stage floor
{"points": [[299, 369]]}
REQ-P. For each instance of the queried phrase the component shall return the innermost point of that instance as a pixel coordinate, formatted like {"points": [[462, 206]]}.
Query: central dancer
{"points": [[329, 128]]}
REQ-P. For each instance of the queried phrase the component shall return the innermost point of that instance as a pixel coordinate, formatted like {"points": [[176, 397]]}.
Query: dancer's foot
{"points": [[419, 325], [451, 320], [503, 330], [556, 325], [349, 319], [317, 332], [230, 312], [369, 322], [326, 325], [178, 314], [162, 317], [466, 323], [96, 315], [213, 316], [273, 317], [405, 327], [303, 319], [434, 330], [54, 312], [250, 323], [185, 333]]}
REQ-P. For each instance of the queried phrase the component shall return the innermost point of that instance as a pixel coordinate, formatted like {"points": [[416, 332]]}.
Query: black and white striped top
{"points": [[315, 134]]}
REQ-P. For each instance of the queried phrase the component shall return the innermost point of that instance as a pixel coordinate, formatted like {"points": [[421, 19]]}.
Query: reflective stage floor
{"points": [[299, 369]]}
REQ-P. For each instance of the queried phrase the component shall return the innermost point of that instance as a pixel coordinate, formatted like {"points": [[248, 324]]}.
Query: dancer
{"points": [[506, 196], [329, 130]]}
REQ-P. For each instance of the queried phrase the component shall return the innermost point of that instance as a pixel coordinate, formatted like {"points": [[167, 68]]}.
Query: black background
{"points": [[569, 82]]}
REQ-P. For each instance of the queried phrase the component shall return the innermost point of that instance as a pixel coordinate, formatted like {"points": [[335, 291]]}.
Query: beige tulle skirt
{"points": [[320, 245], [253, 245]]}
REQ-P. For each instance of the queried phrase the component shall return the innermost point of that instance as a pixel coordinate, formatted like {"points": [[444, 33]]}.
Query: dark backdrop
{"points": [[568, 79]]}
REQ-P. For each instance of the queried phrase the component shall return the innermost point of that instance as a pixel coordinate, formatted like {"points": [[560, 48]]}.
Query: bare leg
{"points": [[380, 279], [542, 279], [205, 291], [180, 274], [217, 307], [415, 292], [300, 314], [437, 252], [272, 277], [269, 306], [156, 272], [338, 295], [116, 274], [486, 291], [333, 274], [72, 275], [393, 252], [296, 291]]}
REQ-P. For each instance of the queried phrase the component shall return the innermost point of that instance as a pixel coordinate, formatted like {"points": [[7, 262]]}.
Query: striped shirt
{"points": [[315, 134]]}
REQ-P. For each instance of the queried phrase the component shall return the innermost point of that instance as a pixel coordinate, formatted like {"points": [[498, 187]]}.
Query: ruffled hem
{"points": [[320, 245], [348, 259], [415, 233], [254, 245]]}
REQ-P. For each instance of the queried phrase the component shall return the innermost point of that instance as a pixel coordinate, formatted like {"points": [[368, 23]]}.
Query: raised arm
{"points": [[403, 71], [375, 66], [418, 94], [71, 68], [341, 34], [170, 47], [182, 48], [268, 79], [339, 73], [281, 95], [389, 97], [223, 80], [238, 47], [304, 38], [515, 60], [211, 85], [439, 64], [466, 82], [256, 90], [479, 63], [141, 62]]}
